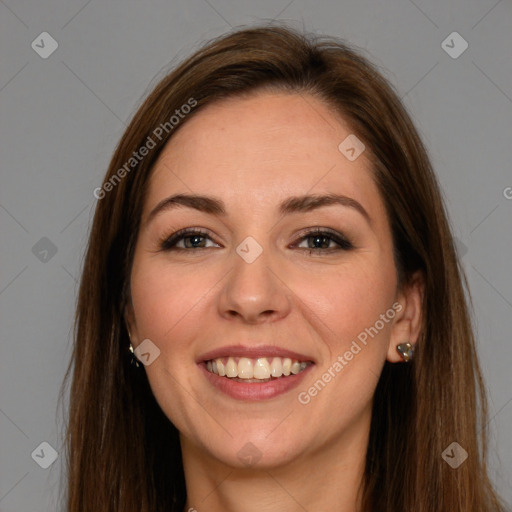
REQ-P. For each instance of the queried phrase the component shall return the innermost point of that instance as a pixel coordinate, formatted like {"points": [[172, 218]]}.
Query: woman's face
{"points": [[258, 289]]}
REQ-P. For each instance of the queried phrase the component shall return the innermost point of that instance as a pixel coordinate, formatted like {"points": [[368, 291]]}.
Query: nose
{"points": [[254, 292]]}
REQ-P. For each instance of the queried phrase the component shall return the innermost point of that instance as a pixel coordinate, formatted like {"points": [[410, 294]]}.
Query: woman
{"points": [[271, 313]]}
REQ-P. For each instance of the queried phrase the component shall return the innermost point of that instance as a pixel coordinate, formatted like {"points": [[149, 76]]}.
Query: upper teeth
{"points": [[258, 368]]}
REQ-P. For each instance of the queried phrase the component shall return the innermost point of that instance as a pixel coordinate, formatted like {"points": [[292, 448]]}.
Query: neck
{"points": [[326, 479]]}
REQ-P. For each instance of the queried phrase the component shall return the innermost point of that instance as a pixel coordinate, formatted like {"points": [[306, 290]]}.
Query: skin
{"points": [[252, 153]]}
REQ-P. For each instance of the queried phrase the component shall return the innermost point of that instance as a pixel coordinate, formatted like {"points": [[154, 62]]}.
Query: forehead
{"points": [[254, 151]]}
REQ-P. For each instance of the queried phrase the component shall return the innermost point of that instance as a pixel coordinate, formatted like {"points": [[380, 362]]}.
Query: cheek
{"points": [[352, 300], [167, 307], [350, 306], [165, 301]]}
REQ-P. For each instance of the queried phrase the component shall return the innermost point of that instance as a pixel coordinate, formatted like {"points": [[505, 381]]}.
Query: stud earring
{"points": [[406, 350], [133, 358]]}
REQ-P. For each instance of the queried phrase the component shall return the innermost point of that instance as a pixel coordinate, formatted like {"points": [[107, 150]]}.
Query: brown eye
{"points": [[192, 239], [322, 240]]}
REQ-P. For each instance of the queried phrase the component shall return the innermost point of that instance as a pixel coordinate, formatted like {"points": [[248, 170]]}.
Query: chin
{"points": [[258, 448]]}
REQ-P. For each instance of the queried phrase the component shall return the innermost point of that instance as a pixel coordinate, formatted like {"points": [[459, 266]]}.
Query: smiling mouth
{"points": [[260, 369]]}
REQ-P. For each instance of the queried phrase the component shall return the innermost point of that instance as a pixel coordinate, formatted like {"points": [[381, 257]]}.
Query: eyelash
{"points": [[168, 243]]}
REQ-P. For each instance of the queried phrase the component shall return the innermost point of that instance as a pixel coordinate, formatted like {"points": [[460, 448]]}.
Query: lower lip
{"points": [[254, 390]]}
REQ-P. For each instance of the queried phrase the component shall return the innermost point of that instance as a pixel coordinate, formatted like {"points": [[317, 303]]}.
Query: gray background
{"points": [[62, 116]]}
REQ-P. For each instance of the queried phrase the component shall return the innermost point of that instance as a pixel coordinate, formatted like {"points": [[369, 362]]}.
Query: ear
{"points": [[409, 317]]}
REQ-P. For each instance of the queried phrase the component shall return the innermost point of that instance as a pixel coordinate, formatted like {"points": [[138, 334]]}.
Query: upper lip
{"points": [[252, 352]]}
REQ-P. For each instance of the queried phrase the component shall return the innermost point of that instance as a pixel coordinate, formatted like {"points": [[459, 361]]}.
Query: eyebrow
{"points": [[295, 204]]}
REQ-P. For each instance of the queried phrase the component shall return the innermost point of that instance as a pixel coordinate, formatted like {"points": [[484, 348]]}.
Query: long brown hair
{"points": [[123, 454]]}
